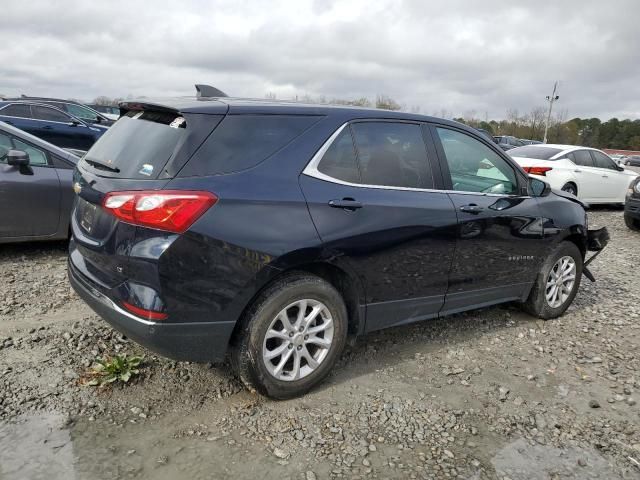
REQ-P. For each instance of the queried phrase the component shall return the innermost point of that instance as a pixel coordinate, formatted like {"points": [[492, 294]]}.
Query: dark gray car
{"points": [[633, 161], [36, 198]]}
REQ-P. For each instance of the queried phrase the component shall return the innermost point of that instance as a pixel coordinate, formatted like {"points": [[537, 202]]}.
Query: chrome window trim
{"points": [[311, 170], [39, 119]]}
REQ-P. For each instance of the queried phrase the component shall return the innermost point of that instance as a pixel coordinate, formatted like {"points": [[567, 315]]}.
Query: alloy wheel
{"points": [[560, 281], [298, 340]]}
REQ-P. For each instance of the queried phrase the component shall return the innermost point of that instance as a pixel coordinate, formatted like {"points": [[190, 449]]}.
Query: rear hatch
{"points": [[143, 151]]}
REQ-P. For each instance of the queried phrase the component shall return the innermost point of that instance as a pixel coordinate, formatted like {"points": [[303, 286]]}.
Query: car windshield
{"points": [[530, 151]]}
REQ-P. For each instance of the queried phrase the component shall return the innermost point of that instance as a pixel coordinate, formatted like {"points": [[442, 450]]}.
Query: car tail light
{"points": [[170, 210], [144, 313], [537, 170]]}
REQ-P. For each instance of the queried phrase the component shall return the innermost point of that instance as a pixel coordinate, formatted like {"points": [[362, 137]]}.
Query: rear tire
{"points": [[281, 353], [546, 302], [632, 223], [570, 188]]}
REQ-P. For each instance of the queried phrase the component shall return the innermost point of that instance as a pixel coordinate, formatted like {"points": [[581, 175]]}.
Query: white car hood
{"points": [[631, 173]]}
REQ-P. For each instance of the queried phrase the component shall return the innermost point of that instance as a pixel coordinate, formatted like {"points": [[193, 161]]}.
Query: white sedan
{"points": [[587, 173]]}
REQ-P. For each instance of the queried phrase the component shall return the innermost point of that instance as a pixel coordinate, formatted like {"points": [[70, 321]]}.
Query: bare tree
{"points": [[385, 102], [470, 118], [360, 102], [535, 121], [513, 120], [104, 100]]}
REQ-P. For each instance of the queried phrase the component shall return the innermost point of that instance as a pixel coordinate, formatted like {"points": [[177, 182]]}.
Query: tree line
{"points": [[589, 132]]}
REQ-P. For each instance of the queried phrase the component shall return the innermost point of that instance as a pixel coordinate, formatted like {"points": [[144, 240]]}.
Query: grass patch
{"points": [[106, 371]]}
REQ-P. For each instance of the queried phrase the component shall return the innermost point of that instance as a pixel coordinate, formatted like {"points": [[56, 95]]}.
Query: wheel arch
{"points": [[559, 177], [346, 283], [577, 237]]}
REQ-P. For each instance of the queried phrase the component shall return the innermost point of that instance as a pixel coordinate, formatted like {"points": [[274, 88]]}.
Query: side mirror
{"points": [[17, 158], [75, 123], [539, 188], [620, 168]]}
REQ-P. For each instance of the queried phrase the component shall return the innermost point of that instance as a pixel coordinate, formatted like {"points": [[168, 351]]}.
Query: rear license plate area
{"points": [[88, 216]]}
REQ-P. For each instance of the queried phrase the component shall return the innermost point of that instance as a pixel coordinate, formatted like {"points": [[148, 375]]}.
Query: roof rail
{"points": [[208, 91]]}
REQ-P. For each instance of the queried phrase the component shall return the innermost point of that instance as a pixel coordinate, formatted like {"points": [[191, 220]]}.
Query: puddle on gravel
{"points": [[520, 460], [43, 447], [36, 447]]}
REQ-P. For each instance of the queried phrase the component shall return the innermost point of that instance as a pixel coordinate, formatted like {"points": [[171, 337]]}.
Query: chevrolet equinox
{"points": [[273, 231]]}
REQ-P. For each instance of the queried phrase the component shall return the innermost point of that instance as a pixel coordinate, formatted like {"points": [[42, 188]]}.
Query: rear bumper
{"points": [[632, 208], [196, 342]]}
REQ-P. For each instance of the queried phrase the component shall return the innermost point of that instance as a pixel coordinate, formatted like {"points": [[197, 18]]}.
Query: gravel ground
{"points": [[487, 394]]}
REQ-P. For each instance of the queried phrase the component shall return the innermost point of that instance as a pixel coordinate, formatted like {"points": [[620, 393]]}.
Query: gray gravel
{"points": [[489, 394]]}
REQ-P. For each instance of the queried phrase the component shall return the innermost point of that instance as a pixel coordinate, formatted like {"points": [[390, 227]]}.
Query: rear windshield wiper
{"points": [[102, 166]]}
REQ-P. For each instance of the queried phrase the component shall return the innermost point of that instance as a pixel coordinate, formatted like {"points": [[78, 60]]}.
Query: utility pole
{"points": [[550, 99]]}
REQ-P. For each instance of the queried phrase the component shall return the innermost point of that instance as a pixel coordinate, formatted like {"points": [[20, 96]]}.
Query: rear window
{"points": [[539, 153], [138, 145], [242, 141]]}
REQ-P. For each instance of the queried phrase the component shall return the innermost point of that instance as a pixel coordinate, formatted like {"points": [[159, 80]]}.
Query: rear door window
{"points": [[17, 110], [392, 154], [243, 141], [339, 161], [49, 114], [583, 158]]}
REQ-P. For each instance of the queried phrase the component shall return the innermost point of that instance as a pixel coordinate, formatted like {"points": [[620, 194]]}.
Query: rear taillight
{"points": [[170, 210], [144, 313], [537, 170]]}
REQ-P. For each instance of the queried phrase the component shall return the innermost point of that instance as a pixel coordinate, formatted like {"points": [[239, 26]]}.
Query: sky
{"points": [[448, 58]]}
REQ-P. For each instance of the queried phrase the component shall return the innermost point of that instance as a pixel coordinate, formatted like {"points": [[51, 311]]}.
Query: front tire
{"points": [[291, 336], [632, 223], [557, 282]]}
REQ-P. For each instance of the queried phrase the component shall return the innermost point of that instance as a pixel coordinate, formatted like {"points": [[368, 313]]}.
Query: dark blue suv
{"points": [[275, 230], [50, 123]]}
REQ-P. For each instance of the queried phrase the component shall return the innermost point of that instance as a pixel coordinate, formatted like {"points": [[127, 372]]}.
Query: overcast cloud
{"points": [[459, 56]]}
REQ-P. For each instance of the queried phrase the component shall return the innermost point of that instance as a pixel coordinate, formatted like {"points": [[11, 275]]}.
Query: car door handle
{"points": [[345, 203], [471, 208], [47, 127], [605, 176], [577, 170]]}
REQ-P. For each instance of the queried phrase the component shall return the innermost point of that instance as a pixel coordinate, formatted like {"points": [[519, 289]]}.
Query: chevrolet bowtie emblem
{"points": [[77, 187]]}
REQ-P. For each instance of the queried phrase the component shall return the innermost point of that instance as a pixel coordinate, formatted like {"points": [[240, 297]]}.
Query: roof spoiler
{"points": [[208, 91]]}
